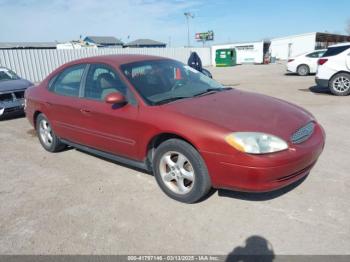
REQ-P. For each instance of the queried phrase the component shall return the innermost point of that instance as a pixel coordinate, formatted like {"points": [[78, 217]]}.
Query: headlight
{"points": [[256, 143]]}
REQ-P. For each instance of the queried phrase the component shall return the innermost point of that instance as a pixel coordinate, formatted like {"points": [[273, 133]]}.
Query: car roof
{"points": [[341, 44], [117, 59]]}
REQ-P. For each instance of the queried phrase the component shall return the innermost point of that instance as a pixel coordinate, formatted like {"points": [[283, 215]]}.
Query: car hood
{"points": [[237, 110], [13, 85]]}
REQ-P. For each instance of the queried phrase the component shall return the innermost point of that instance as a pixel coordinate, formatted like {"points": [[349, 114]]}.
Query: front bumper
{"points": [[266, 172], [291, 68], [9, 108], [322, 82]]}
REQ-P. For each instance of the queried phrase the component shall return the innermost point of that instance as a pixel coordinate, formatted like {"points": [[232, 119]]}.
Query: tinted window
{"points": [[160, 80], [317, 54], [332, 51], [68, 82], [102, 80]]}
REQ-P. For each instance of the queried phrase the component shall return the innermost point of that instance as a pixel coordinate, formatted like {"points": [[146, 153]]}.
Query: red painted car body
{"points": [[203, 121]]}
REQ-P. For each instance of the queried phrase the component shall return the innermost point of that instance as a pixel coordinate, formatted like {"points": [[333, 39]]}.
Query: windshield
{"points": [[6, 74], [162, 81]]}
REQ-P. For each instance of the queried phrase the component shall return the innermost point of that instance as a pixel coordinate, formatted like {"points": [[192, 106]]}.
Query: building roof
{"points": [[317, 34], [145, 42], [24, 45], [239, 43], [101, 40]]}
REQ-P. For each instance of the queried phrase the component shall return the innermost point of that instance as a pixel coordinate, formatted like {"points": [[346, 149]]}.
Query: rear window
{"points": [[332, 51]]}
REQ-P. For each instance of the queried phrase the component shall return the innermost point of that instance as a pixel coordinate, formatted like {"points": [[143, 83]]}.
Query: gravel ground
{"points": [[75, 203]]}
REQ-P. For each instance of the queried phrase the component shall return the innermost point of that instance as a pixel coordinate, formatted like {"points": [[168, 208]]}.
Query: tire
{"points": [[340, 84], [46, 135], [303, 70], [180, 171]]}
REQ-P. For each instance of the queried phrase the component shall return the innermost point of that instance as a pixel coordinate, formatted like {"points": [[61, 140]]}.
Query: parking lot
{"points": [[75, 203]]}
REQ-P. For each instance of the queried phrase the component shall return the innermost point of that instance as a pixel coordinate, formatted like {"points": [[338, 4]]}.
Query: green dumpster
{"points": [[225, 57]]}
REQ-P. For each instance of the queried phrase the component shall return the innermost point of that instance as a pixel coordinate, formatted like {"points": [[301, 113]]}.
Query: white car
{"points": [[305, 64], [334, 69]]}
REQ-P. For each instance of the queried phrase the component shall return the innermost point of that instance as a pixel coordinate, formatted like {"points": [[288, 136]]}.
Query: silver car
{"points": [[12, 89]]}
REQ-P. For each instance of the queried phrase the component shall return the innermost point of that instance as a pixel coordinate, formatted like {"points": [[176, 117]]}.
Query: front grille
{"points": [[302, 134], [6, 97], [19, 94]]}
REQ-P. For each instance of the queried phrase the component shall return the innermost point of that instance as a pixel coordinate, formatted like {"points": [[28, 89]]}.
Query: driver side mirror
{"points": [[115, 98]]}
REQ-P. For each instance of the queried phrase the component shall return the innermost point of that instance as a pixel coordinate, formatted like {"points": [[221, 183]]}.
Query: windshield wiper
{"points": [[212, 91], [170, 99]]}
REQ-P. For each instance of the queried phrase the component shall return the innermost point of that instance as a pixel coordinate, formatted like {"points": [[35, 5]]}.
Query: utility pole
{"points": [[188, 15]]}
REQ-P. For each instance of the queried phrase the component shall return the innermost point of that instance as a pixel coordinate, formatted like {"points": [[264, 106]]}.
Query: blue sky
{"points": [[163, 20]]}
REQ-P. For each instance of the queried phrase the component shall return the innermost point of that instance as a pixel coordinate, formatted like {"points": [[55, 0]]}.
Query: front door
{"points": [[109, 128]]}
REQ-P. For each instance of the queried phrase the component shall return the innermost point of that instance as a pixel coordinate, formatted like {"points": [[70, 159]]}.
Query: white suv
{"points": [[306, 63], [334, 69]]}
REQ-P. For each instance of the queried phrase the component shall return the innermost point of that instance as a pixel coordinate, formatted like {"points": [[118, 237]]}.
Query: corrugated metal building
{"points": [[145, 43], [34, 65], [104, 41], [28, 45]]}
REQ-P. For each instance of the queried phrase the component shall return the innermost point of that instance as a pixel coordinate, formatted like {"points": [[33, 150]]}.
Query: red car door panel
{"points": [[110, 129]]}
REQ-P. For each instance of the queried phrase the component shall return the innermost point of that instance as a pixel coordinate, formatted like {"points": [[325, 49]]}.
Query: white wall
{"points": [[299, 44], [255, 55], [36, 64]]}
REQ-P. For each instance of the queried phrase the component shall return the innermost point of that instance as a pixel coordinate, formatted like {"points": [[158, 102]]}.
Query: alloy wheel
{"points": [[177, 172], [341, 84], [45, 132]]}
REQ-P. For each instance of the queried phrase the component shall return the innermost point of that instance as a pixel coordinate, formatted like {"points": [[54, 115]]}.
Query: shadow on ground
{"points": [[256, 248], [317, 90], [295, 74], [260, 196]]}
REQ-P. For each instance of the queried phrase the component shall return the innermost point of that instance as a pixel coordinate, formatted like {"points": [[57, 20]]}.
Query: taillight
{"points": [[322, 61], [290, 60]]}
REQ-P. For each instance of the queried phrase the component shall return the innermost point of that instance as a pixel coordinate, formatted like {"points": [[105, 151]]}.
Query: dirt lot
{"points": [[75, 203]]}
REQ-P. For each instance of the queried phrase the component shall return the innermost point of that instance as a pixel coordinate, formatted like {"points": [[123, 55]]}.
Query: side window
{"points": [[332, 51], [68, 82], [320, 54], [314, 55], [102, 80]]}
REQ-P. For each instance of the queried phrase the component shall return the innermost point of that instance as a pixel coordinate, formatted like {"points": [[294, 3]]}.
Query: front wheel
{"points": [[180, 171], [47, 137], [340, 84]]}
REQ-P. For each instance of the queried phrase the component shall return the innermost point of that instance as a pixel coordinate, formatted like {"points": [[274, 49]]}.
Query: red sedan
{"points": [[160, 115]]}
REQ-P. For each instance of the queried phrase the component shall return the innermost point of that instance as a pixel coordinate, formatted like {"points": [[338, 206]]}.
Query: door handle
{"points": [[84, 111]]}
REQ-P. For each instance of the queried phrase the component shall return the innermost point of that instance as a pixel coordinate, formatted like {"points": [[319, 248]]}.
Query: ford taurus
{"points": [[160, 115]]}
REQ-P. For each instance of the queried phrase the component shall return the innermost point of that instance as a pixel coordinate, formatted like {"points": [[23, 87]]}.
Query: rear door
{"points": [[109, 128], [63, 102], [348, 60]]}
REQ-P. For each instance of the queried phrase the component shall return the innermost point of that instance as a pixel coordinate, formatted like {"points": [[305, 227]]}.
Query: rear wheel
{"points": [[340, 84], [46, 135], [303, 70], [180, 171]]}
